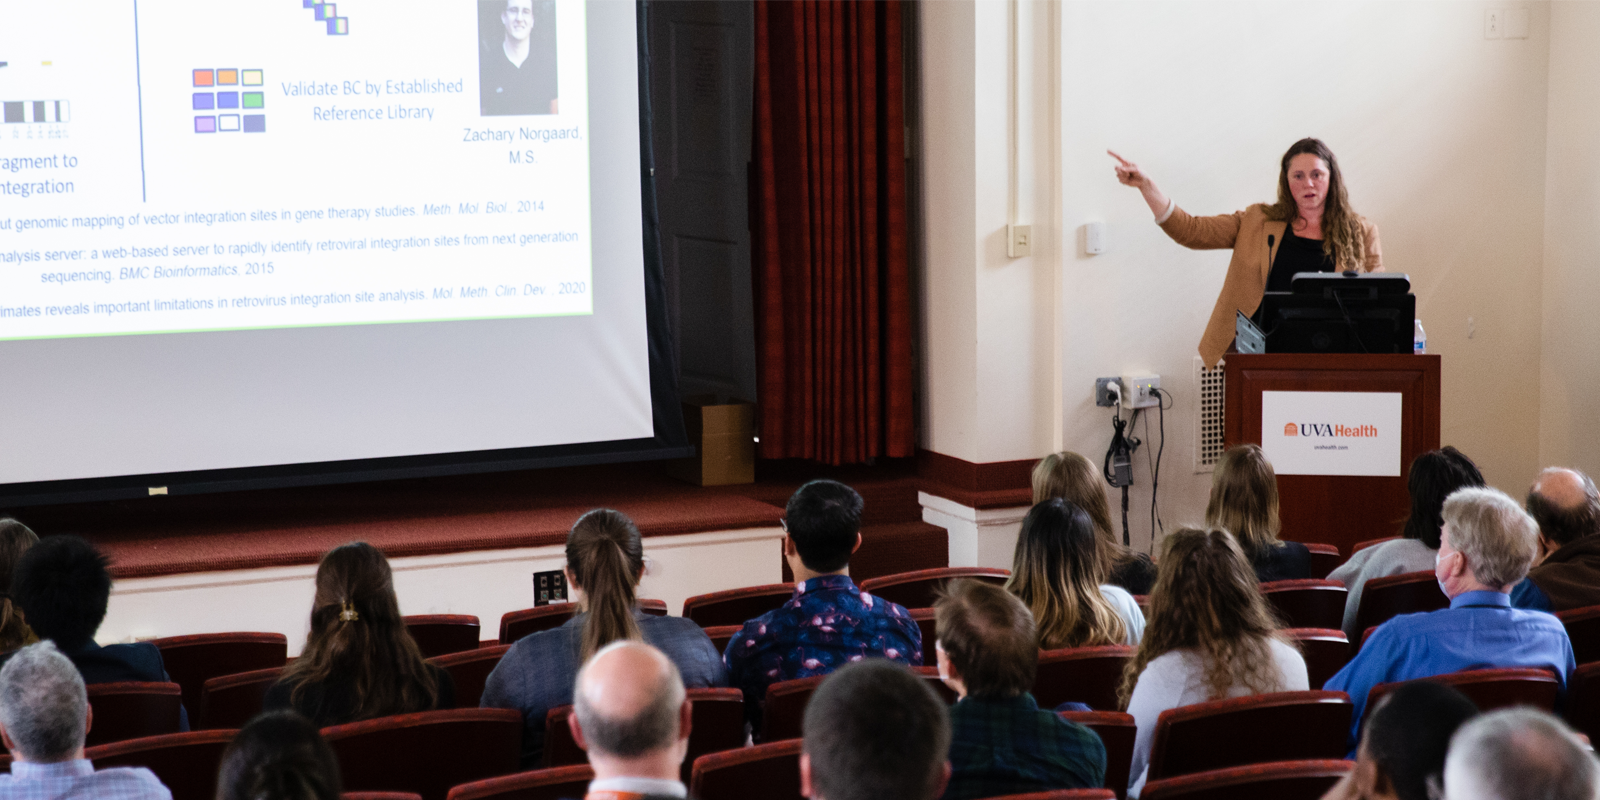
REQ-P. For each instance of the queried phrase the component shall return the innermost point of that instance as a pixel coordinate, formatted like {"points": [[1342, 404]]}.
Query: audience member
{"points": [[1210, 636], [1404, 743], [1434, 476], [1519, 754], [632, 718], [829, 622], [1059, 572], [44, 716], [359, 661], [1566, 574], [62, 586], [1244, 502], [1485, 547], [15, 539], [279, 755], [605, 560], [1078, 481], [1001, 742], [874, 731]]}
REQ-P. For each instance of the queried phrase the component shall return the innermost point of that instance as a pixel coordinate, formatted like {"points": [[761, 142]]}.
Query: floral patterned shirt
{"points": [[827, 624]]}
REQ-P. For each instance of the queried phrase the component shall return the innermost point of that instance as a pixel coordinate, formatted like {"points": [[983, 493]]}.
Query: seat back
{"points": [[132, 710], [1117, 732], [1326, 651], [1284, 780], [931, 675], [1583, 628], [229, 701], [378, 796], [1310, 603], [561, 783], [720, 635], [1282, 726], [516, 624], [1371, 543], [764, 772], [1325, 558], [186, 763], [930, 634], [1582, 706], [1491, 689], [427, 752], [1407, 593], [716, 725], [190, 661], [785, 707], [1088, 675], [918, 589], [1062, 794], [470, 669], [438, 634], [736, 606]]}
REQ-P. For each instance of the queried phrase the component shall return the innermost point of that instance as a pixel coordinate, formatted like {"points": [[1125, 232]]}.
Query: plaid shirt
{"points": [[68, 780], [1010, 746]]}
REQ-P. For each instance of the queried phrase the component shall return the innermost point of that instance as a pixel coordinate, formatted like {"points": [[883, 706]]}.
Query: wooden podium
{"points": [[1338, 509]]}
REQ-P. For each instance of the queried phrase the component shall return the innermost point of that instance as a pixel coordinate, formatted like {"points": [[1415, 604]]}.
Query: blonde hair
{"points": [[1343, 238], [1206, 600], [1244, 499], [1075, 479], [1056, 571]]}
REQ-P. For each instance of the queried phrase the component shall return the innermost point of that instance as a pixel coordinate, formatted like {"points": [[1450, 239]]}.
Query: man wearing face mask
{"points": [[1486, 546]]}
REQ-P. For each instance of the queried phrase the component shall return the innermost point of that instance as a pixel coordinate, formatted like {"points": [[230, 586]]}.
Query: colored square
{"points": [[254, 99], [202, 101], [203, 77], [205, 124], [250, 77], [338, 26], [63, 112], [228, 122], [227, 99], [14, 112], [38, 111], [309, 3], [227, 77], [255, 123], [325, 10]]}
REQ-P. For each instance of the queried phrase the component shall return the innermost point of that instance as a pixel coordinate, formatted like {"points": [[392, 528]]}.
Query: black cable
{"points": [[1126, 542], [1155, 480]]}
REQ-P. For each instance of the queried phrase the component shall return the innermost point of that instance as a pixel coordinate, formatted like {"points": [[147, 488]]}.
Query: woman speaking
{"points": [[1310, 229]]}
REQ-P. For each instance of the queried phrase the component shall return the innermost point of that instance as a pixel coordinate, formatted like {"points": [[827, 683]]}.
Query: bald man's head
{"points": [[1565, 504], [628, 700]]}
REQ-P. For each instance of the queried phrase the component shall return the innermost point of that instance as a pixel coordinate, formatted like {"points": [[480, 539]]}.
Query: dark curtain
{"points": [[828, 197]]}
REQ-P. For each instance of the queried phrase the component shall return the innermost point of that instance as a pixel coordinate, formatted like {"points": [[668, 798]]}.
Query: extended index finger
{"points": [[1114, 155]]}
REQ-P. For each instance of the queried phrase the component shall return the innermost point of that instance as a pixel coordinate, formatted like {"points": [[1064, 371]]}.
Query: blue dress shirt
{"points": [[69, 780], [1480, 630], [1528, 595]]}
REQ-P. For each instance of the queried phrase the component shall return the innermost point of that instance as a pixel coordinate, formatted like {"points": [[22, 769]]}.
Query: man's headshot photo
{"points": [[517, 57]]}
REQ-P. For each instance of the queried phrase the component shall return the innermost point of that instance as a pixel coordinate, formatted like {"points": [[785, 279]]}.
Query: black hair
{"points": [[1434, 476], [63, 584], [876, 731], [823, 518], [279, 755], [1408, 734]]}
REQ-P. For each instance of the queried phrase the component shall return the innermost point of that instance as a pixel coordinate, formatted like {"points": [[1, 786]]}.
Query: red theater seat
{"points": [[1325, 558], [764, 772], [516, 624], [186, 763], [1062, 794], [378, 796], [469, 670], [716, 725], [1491, 689], [736, 606], [931, 675], [439, 634], [561, 783], [1583, 628], [918, 589], [1408, 593], [427, 752], [190, 661], [1326, 651], [1118, 732], [1282, 726], [1088, 675], [1582, 706], [132, 710], [1311, 603], [930, 635], [229, 701], [785, 707], [721, 634], [1285, 780], [1371, 543]]}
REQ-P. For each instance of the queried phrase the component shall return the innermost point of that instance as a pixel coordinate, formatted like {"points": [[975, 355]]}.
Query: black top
{"points": [[507, 89], [138, 662], [328, 704], [1285, 562], [1137, 574], [1296, 255]]}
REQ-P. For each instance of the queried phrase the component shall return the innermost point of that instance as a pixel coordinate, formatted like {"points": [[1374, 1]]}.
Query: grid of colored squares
{"points": [[228, 99], [35, 111], [329, 14]]}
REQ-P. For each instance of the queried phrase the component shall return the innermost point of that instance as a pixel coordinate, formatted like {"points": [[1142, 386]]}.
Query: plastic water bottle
{"points": [[1419, 340]]}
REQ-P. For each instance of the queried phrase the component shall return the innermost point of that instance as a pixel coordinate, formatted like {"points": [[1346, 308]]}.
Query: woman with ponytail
{"points": [[15, 539], [605, 560], [359, 661], [279, 755]]}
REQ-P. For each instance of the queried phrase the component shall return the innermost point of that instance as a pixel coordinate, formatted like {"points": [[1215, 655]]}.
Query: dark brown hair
{"points": [[1434, 476], [988, 635], [358, 641], [874, 730], [1056, 571], [1342, 237], [1244, 499], [606, 556], [1207, 600], [15, 539], [279, 755]]}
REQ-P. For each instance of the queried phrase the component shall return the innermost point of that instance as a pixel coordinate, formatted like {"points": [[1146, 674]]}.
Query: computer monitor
{"points": [[1340, 313]]}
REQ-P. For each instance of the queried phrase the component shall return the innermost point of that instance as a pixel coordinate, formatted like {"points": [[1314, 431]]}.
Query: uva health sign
{"points": [[1332, 433]]}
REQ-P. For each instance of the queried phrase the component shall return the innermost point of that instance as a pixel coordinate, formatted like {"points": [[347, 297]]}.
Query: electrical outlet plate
{"points": [[1103, 396], [1138, 391], [1019, 240]]}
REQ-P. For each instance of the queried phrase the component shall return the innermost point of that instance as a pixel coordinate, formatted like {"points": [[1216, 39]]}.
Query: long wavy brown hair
{"points": [[1056, 572], [605, 556], [1075, 479], [1206, 600], [1342, 236], [15, 539], [358, 642], [1244, 499]]}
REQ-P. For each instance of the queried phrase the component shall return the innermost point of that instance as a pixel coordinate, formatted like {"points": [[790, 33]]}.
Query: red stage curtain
{"points": [[828, 218]]}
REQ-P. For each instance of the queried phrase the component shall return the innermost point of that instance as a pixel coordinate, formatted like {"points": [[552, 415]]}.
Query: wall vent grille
{"points": [[1208, 427]]}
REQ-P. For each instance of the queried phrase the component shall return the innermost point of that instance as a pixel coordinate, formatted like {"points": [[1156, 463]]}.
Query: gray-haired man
{"points": [[631, 715], [44, 716]]}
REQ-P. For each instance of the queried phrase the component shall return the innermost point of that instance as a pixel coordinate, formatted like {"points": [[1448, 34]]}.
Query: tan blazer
{"points": [[1246, 233]]}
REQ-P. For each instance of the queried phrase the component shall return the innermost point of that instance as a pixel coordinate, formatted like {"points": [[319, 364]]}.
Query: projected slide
{"points": [[190, 165]]}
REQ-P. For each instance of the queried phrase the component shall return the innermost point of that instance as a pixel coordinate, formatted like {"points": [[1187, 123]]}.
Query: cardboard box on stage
{"points": [[723, 433]]}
